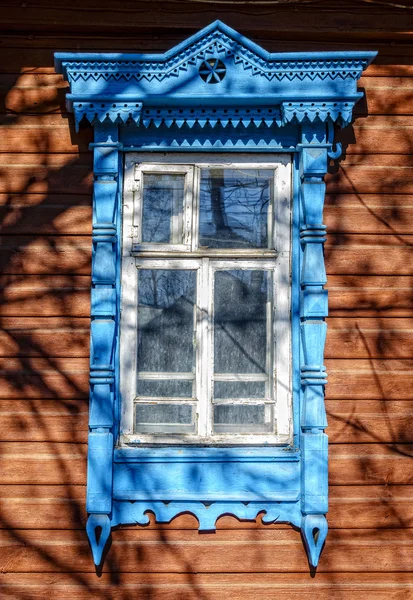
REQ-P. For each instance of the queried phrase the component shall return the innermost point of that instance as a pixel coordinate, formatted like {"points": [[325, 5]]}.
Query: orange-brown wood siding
{"points": [[45, 215]]}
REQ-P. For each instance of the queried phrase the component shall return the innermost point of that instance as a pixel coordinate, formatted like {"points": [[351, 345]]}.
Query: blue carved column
{"points": [[105, 264], [313, 166]]}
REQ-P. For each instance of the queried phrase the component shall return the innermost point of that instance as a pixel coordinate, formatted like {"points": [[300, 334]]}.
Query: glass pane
{"points": [[234, 207], [243, 418], [163, 202], [166, 313], [240, 321], [164, 418], [165, 388], [239, 389]]}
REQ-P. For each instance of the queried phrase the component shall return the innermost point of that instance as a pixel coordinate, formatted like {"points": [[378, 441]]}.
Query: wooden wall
{"points": [[45, 206]]}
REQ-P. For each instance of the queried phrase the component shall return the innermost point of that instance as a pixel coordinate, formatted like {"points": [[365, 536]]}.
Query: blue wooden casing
{"points": [[243, 100]]}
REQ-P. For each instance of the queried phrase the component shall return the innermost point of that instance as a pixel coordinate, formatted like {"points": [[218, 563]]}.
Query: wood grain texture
{"points": [[40, 336], [187, 17], [39, 295], [45, 255], [240, 551], [369, 338], [45, 173], [196, 586], [373, 421], [369, 213], [44, 377], [370, 296], [34, 420], [370, 379]]}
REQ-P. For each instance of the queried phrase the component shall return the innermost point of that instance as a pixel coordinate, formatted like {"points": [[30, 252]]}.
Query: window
{"points": [[205, 266], [205, 322]]}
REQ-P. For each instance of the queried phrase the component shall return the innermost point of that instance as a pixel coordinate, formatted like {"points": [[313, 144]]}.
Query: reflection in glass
{"points": [[243, 418], [166, 312], [164, 418], [234, 207], [163, 201], [240, 321]]}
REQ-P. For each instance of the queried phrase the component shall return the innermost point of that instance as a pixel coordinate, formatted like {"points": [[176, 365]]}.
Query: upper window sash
{"points": [[183, 229]]}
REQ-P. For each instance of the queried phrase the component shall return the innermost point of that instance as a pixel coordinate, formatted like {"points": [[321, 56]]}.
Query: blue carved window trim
{"points": [[252, 101]]}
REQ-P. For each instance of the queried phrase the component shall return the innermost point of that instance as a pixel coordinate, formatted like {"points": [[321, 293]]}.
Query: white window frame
{"points": [[277, 257]]}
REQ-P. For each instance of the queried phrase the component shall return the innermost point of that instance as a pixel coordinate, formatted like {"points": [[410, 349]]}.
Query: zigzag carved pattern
{"points": [[215, 45]]}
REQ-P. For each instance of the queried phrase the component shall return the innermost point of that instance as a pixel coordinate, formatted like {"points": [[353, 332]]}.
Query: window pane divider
{"points": [[153, 375]]}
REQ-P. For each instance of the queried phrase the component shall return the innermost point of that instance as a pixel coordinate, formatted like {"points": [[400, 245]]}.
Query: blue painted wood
{"points": [[207, 514], [220, 92], [314, 531], [210, 481]]}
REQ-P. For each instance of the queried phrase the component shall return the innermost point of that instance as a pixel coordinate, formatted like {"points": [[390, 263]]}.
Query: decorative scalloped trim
{"points": [[115, 112], [207, 514], [337, 112], [212, 117]]}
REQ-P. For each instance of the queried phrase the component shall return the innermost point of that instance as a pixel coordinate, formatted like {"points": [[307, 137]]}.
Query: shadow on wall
{"points": [[45, 193]]}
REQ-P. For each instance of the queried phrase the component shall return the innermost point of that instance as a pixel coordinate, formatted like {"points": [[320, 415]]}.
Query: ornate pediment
{"points": [[215, 69]]}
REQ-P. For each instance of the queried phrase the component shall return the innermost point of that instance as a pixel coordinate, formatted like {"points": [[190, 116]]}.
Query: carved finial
{"points": [[314, 529], [98, 532]]}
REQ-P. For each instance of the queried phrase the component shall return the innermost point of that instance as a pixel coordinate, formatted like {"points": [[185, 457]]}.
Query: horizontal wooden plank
{"points": [[366, 134], [44, 377], [43, 201], [370, 296], [59, 219], [48, 463], [52, 133], [46, 255], [240, 551], [54, 463], [46, 173], [214, 586], [366, 178], [32, 420], [370, 464], [39, 336], [63, 507], [58, 295], [354, 254], [369, 338], [370, 379], [342, 19], [369, 213], [370, 421], [43, 507]]}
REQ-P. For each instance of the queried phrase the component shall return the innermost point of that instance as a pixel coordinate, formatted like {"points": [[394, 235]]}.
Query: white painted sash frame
{"points": [[205, 262]]}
